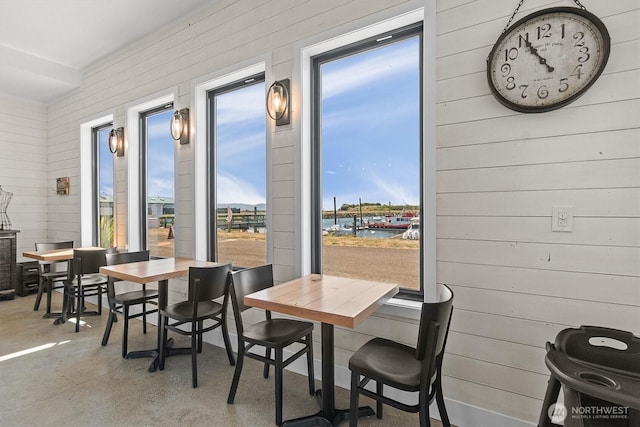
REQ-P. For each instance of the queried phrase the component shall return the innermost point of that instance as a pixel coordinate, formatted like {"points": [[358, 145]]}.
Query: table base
{"points": [[321, 420]]}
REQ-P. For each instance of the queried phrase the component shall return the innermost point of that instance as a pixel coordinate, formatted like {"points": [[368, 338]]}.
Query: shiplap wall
{"points": [[499, 173], [23, 169]]}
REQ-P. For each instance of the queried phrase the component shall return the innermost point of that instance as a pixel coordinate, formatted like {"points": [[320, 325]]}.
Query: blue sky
{"points": [[106, 163], [370, 126], [241, 146], [370, 134]]}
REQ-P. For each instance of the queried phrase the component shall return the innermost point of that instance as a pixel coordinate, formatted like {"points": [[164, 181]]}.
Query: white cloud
{"points": [[370, 69], [233, 189]]}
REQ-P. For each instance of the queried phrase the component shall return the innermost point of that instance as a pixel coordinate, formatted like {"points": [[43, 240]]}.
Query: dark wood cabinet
{"points": [[8, 240]]}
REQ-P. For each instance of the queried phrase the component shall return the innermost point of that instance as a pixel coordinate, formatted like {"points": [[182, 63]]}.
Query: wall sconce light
{"points": [[116, 141], [278, 101], [179, 126]]}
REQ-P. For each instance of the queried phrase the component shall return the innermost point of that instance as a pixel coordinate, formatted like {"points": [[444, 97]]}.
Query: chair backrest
{"points": [[248, 281], [54, 265], [122, 258], [435, 313], [213, 282], [245, 282], [88, 261], [126, 257]]}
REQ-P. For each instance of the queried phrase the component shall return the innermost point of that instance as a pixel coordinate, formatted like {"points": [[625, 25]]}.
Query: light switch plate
{"points": [[562, 218]]}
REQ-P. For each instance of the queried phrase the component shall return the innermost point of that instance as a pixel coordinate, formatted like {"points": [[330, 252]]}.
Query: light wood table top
{"points": [[154, 270], [338, 301], [54, 254]]}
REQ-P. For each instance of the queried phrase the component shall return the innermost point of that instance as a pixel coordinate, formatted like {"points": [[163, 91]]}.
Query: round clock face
{"points": [[548, 59]]}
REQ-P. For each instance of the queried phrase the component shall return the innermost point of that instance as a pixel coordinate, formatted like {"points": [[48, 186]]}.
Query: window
{"points": [[157, 196], [237, 172], [104, 224], [366, 159]]}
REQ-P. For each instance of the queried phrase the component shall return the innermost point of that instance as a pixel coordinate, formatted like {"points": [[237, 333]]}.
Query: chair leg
{"points": [[444, 417], [144, 317], [353, 399], [379, 405], [267, 354], [36, 306], [78, 310], [550, 397], [227, 342], [65, 305], [163, 341], [310, 370], [236, 373], [125, 329], [107, 329], [200, 328], [423, 412], [49, 285], [195, 337], [279, 370]]}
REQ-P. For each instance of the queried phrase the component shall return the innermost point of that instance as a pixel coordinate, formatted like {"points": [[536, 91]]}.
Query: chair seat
{"points": [[54, 275], [135, 297], [390, 362], [183, 311], [281, 332], [91, 279]]}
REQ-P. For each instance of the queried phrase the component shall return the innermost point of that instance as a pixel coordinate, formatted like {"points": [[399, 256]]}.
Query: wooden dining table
{"points": [[155, 270], [53, 255], [332, 301]]}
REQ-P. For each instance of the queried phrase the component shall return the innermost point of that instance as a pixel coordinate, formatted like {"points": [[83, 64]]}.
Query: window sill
{"points": [[400, 308]]}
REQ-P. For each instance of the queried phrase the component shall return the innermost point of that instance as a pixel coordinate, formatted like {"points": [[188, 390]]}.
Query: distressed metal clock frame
{"points": [[598, 25]]}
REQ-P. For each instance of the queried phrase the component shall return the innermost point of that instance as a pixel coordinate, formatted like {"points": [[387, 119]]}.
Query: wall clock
{"points": [[547, 59]]}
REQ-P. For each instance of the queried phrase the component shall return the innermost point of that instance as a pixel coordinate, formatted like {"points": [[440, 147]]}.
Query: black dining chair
{"points": [[124, 300], [84, 281], [51, 274], [272, 334], [205, 285], [412, 369]]}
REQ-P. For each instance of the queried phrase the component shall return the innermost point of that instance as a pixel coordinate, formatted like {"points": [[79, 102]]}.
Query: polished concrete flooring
{"points": [[52, 376]]}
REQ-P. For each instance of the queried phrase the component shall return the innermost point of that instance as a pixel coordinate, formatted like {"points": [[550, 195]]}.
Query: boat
{"points": [[393, 222], [413, 232]]}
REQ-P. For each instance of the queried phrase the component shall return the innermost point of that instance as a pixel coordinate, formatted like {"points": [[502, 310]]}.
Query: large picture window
{"points": [[157, 182], [104, 203], [366, 159], [237, 172]]}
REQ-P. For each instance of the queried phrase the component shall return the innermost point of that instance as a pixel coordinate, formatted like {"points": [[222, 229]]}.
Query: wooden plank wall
{"points": [[499, 173], [23, 169]]}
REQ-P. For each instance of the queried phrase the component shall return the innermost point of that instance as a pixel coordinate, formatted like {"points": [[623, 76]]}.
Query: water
{"points": [[368, 234]]}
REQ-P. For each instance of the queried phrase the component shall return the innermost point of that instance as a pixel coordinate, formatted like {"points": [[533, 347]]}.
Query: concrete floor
{"points": [[52, 376]]}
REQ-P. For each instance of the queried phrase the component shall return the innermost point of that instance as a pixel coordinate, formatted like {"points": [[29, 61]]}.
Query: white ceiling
{"points": [[45, 44]]}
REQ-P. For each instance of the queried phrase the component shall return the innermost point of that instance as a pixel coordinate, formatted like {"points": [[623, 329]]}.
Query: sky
{"points": [[370, 126], [370, 134]]}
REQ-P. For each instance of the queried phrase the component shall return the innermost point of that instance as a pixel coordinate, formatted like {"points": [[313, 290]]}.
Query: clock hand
{"points": [[534, 51]]}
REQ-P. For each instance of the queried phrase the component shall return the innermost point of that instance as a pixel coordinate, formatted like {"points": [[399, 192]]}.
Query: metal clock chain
{"points": [[515, 12]]}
